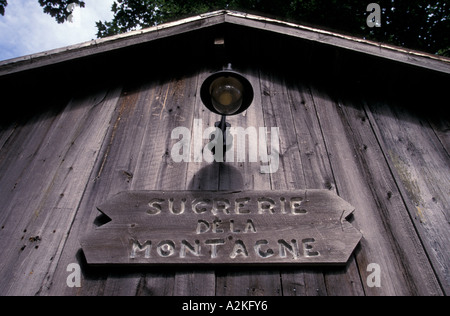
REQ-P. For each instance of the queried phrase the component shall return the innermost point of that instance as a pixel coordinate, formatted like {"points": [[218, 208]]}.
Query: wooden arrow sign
{"points": [[207, 228]]}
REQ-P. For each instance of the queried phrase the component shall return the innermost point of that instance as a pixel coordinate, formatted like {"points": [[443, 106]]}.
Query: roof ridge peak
{"points": [[400, 54]]}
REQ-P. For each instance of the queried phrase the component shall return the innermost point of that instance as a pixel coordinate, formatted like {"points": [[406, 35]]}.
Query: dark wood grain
{"points": [[54, 180], [381, 154], [358, 164], [419, 162]]}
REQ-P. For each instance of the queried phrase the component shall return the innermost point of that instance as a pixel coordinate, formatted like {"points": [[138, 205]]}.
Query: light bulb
{"points": [[226, 95]]}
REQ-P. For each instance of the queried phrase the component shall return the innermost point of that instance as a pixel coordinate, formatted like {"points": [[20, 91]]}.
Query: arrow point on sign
{"points": [[115, 205], [102, 219], [347, 210]]}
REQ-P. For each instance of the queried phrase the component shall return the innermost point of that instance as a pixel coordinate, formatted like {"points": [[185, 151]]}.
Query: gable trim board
{"points": [[398, 54]]}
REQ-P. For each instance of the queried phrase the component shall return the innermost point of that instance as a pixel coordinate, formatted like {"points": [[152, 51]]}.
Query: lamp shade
{"points": [[227, 93]]}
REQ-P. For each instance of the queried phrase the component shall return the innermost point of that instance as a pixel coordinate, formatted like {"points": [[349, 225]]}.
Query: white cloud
{"points": [[25, 29]]}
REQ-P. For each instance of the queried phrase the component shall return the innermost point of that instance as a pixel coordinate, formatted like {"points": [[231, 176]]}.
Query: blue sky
{"points": [[26, 29]]}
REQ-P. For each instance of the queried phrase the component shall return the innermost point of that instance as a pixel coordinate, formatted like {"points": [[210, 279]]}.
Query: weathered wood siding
{"points": [[381, 154]]}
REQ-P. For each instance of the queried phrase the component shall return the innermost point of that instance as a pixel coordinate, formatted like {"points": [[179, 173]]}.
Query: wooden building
{"points": [[365, 120]]}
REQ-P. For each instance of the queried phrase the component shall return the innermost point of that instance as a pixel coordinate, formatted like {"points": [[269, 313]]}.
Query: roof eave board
{"points": [[415, 58]]}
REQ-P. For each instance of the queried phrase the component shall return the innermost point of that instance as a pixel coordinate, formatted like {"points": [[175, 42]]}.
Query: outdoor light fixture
{"points": [[226, 93]]}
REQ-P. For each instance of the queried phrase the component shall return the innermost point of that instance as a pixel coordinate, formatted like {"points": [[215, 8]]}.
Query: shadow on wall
{"points": [[217, 176]]}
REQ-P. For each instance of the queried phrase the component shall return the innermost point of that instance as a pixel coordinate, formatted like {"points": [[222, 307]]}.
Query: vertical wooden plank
{"points": [[136, 155], [199, 176], [248, 176], [280, 109], [421, 166], [18, 153], [111, 174], [441, 126], [52, 186], [18, 156], [276, 105], [299, 124], [154, 169], [158, 170], [319, 175], [6, 132], [364, 179], [135, 119]]}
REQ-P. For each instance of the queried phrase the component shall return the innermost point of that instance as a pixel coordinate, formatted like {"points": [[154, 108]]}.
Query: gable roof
{"points": [[104, 45]]}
